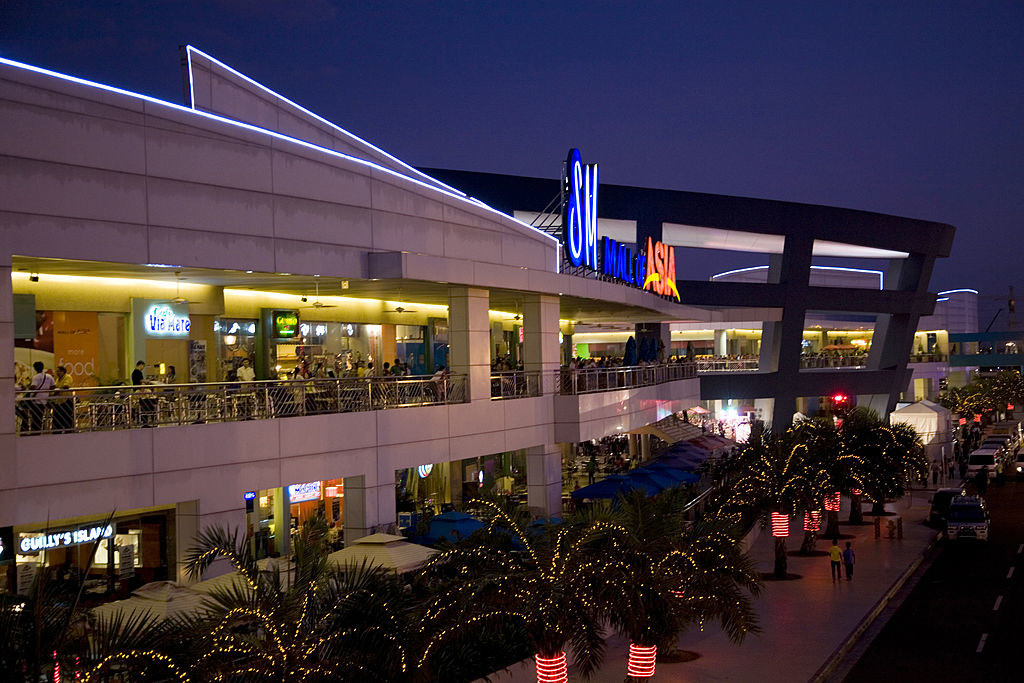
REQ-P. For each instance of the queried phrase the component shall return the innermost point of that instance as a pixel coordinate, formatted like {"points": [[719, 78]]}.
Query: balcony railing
{"points": [[515, 384], [590, 380], [726, 364], [130, 407]]}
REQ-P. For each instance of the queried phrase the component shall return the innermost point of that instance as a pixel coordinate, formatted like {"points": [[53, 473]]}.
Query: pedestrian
{"points": [[42, 384], [982, 481], [835, 556], [935, 473], [245, 373], [849, 557], [64, 403], [951, 473]]}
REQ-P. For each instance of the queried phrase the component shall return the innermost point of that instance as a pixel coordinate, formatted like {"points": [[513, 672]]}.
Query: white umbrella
{"points": [[385, 550]]}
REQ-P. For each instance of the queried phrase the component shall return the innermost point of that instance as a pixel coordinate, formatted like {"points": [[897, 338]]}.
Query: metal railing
{"points": [[726, 364], [131, 407], [515, 384], [590, 380], [825, 362]]}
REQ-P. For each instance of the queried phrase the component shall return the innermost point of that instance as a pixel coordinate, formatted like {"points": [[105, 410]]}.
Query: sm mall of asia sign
{"points": [[652, 269]]}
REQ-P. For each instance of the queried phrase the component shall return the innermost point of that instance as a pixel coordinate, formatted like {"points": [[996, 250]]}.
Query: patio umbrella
{"points": [[453, 525], [612, 486], [386, 550]]}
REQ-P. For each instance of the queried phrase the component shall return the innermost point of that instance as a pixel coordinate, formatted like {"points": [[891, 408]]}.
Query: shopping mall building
{"points": [[259, 259]]}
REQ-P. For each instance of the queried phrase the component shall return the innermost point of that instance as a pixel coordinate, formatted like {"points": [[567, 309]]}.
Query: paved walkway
{"points": [[803, 622]]}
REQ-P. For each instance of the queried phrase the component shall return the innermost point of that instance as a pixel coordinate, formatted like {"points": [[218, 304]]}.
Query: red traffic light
{"points": [[840, 398]]}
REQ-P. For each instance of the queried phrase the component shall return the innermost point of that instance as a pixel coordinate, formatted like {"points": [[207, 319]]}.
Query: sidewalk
{"points": [[803, 622]]}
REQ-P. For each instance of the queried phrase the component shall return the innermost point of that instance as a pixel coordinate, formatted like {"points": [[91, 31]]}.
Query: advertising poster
{"points": [[125, 561], [76, 345], [197, 360]]}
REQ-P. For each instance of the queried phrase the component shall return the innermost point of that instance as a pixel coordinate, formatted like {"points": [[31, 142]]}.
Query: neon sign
{"points": [[653, 269], [62, 539], [581, 227], [162, 320], [299, 493], [286, 324]]}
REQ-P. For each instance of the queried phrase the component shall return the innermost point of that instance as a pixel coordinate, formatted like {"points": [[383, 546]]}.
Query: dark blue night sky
{"points": [[910, 108]]}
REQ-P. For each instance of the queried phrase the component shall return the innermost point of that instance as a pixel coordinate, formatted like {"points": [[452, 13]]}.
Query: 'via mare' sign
{"points": [[653, 268], [167, 320], [61, 539]]}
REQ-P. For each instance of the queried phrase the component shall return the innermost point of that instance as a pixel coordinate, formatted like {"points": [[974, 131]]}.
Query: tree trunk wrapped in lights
{"points": [[641, 660], [812, 524], [552, 669], [832, 514], [856, 513], [780, 530]]}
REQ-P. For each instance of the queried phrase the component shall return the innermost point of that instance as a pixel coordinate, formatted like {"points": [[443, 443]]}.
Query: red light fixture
{"points": [[1009, 406], [856, 492], [840, 398], [641, 660], [832, 502], [552, 669], [977, 418], [963, 420], [812, 521], [780, 525]]}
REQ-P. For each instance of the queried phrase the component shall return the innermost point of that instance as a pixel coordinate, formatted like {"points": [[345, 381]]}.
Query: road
{"points": [[964, 620]]}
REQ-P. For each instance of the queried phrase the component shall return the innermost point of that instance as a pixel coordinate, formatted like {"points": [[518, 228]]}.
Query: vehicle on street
{"points": [[940, 505], [968, 519], [985, 457], [1018, 466]]}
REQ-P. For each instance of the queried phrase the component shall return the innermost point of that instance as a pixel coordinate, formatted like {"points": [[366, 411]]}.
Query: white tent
{"points": [[933, 423], [386, 550], [160, 599]]}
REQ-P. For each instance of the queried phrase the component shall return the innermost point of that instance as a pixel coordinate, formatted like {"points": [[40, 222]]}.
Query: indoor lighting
{"points": [[230, 339]]}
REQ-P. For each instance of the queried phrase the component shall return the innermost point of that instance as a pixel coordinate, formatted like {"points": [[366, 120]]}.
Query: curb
{"points": [[844, 648]]}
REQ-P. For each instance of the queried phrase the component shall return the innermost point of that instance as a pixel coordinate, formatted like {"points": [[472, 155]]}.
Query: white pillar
{"points": [[469, 332], [8, 500], [541, 351], [721, 347], [645, 447], [368, 507], [544, 480], [631, 440]]}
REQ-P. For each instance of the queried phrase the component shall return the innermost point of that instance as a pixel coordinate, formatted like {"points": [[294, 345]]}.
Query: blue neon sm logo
{"points": [[581, 226]]}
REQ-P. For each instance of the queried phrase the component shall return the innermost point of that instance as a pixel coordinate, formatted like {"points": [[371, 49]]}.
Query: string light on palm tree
{"points": [[832, 501], [780, 525], [552, 669], [812, 521], [641, 660]]}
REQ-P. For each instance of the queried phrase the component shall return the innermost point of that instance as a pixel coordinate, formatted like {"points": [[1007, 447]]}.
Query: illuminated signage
{"points": [[299, 493], [166, 320], [424, 471], [581, 226], [249, 495], [653, 269], [63, 539], [286, 324]]}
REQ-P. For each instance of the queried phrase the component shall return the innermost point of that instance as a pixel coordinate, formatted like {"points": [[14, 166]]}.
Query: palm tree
{"points": [[310, 624], [546, 581], [662, 575], [892, 456], [834, 469], [774, 480]]}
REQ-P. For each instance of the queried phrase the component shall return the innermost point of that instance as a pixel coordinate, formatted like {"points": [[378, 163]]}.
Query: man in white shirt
{"points": [[245, 373], [41, 384]]}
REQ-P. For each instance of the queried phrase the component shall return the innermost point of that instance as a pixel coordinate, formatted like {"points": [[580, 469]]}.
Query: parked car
{"points": [[985, 457], [1018, 466], [940, 505], [968, 519]]}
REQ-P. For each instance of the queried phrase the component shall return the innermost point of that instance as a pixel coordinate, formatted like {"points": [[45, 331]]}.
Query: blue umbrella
{"points": [[453, 525], [613, 486], [681, 476]]}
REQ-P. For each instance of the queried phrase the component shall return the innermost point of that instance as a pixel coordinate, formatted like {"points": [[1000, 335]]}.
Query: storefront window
{"points": [[410, 348], [237, 342]]}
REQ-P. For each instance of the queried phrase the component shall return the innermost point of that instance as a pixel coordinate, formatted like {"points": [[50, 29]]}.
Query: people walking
{"points": [[835, 556], [935, 473], [849, 557]]}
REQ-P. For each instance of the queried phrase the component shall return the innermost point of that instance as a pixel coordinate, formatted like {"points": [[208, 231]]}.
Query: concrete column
{"points": [[720, 344], [469, 330], [186, 527], [8, 500], [455, 477], [497, 340], [540, 338], [781, 341], [282, 521], [645, 447], [631, 441], [544, 480], [367, 507]]}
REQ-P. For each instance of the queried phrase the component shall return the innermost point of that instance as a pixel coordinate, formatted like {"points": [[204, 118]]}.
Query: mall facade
{"points": [[260, 259]]}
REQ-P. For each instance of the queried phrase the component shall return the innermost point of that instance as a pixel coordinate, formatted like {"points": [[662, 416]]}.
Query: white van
{"points": [[987, 456]]}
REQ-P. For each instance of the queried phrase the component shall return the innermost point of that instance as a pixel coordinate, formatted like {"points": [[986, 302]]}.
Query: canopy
{"points": [[679, 474], [160, 600], [385, 550], [453, 525], [932, 422], [612, 486]]}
